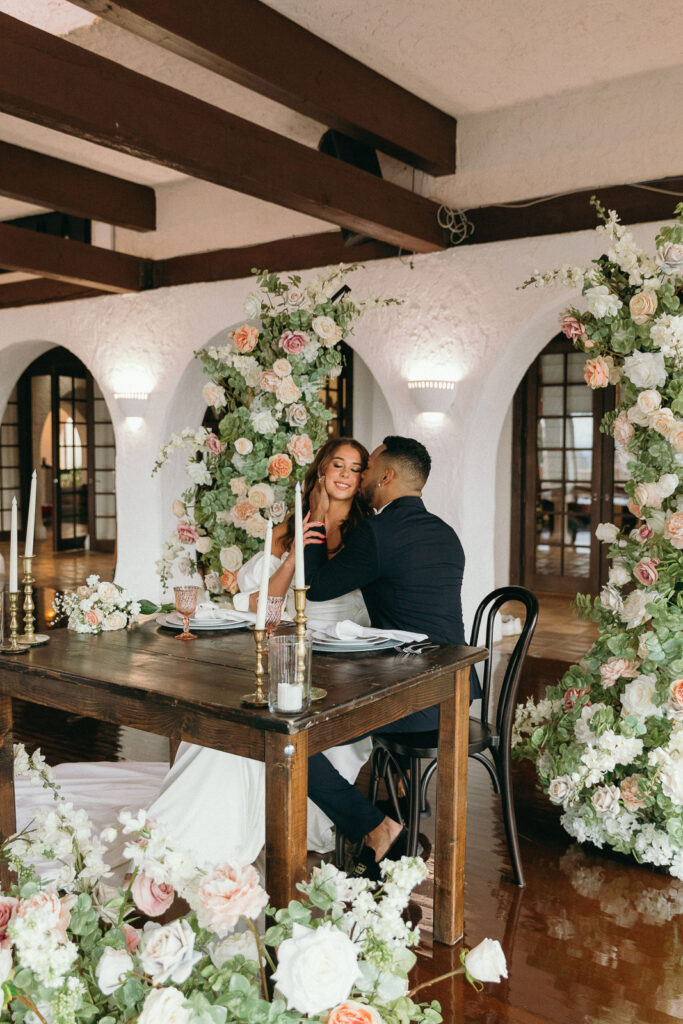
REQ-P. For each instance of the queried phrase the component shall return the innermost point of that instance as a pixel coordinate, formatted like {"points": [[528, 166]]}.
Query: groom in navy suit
{"points": [[409, 566]]}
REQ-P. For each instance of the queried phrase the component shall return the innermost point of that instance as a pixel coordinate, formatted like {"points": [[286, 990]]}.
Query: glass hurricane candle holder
{"points": [[289, 667], [186, 604]]}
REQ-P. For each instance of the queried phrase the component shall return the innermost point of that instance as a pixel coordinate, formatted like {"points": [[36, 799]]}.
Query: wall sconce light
{"points": [[432, 395], [133, 404]]}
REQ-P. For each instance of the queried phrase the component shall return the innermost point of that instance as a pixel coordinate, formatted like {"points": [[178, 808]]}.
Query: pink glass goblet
{"points": [[273, 614], [186, 604]]}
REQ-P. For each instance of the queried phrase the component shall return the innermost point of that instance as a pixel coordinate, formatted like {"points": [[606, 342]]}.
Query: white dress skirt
{"points": [[210, 801]]}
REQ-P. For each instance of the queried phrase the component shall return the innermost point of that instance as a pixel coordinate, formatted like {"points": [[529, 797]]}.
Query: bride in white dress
{"points": [[210, 801]]}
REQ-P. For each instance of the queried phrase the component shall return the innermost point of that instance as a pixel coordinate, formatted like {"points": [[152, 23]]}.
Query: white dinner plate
{"points": [[170, 622], [346, 647], [333, 641]]}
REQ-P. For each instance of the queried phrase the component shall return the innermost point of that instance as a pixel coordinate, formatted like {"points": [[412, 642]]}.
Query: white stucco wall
{"points": [[462, 317]]}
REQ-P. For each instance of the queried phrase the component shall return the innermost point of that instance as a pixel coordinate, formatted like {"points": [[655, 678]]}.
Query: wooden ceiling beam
{"points": [[49, 81], [41, 290], [58, 185], [257, 47], [62, 259]]}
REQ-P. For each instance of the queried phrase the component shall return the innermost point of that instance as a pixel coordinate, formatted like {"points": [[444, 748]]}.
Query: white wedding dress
{"points": [[211, 802]]}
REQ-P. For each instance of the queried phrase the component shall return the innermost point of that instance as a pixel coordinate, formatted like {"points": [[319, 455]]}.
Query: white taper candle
{"points": [[31, 521], [299, 571], [265, 578], [13, 553]]}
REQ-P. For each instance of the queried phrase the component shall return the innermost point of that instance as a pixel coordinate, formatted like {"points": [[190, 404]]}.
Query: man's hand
{"points": [[320, 501]]}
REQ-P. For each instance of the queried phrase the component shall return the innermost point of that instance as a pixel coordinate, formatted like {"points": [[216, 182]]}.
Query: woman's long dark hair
{"points": [[359, 509]]}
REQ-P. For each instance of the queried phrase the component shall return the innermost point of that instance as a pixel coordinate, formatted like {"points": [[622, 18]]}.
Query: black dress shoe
{"points": [[365, 864]]}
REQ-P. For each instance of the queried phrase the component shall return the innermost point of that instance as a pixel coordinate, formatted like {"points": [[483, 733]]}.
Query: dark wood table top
{"points": [[214, 671]]}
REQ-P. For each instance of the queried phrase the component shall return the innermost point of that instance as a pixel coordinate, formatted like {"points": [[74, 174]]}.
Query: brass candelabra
{"points": [[13, 646], [29, 637], [257, 699]]}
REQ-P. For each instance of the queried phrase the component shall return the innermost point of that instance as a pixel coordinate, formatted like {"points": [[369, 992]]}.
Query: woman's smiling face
{"points": [[342, 473]]}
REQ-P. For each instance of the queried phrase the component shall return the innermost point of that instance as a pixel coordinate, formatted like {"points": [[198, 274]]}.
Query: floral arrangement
{"points": [[608, 739], [71, 953], [265, 384], [97, 607]]}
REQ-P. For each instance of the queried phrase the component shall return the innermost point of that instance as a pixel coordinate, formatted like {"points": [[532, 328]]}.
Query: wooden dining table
{"points": [[144, 678]]}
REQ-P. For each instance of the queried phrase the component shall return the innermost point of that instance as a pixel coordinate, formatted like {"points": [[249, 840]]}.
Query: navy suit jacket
{"points": [[409, 566]]}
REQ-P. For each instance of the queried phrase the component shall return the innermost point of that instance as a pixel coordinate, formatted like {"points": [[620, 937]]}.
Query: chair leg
{"points": [[424, 784], [414, 806], [391, 787], [339, 843], [509, 817], [490, 768]]}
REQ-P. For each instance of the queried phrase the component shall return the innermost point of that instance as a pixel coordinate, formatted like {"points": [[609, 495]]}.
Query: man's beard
{"points": [[367, 491]]}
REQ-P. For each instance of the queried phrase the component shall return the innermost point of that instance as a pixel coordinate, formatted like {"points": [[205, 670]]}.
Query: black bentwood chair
{"points": [[394, 753]]}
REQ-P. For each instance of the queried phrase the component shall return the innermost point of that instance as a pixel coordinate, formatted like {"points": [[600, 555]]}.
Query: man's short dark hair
{"points": [[412, 457]]}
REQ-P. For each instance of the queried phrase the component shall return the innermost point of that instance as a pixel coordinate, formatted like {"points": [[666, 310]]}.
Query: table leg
{"points": [[286, 794], [451, 813], [8, 820]]}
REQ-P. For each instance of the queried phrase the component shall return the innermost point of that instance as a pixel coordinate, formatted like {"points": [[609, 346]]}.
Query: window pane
{"points": [[550, 401], [549, 433], [579, 432], [579, 399], [548, 560], [575, 364], [550, 465], [578, 465], [552, 369]]}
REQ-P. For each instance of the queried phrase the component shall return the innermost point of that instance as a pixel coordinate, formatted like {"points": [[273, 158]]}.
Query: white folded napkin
{"points": [[207, 610], [349, 631]]}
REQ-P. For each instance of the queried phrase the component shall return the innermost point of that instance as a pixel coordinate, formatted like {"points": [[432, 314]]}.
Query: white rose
{"points": [[214, 394], [633, 611], [117, 620], [238, 486], [5, 963], [324, 326], [167, 951], [582, 730], [178, 508], [647, 494], [198, 473], [667, 484], [618, 576], [486, 962], [672, 781], [607, 532], [231, 558], [261, 495], [282, 367], [670, 258], [316, 968], [252, 306], [165, 1006], [241, 944], [649, 401], [605, 799], [611, 599], [637, 698], [203, 545], [278, 511], [112, 968], [256, 526], [296, 298], [636, 415], [107, 592], [335, 371], [263, 421], [601, 301], [243, 446], [297, 416], [561, 789], [645, 369]]}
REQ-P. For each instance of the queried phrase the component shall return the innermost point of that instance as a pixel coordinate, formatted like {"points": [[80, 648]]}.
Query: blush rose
{"points": [[152, 898], [226, 894]]}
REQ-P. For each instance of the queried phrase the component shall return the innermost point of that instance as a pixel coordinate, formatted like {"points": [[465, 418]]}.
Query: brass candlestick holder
{"points": [[317, 692], [29, 637], [257, 699], [13, 647]]}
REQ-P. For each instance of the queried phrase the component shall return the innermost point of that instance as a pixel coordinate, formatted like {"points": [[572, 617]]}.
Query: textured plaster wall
{"points": [[461, 318]]}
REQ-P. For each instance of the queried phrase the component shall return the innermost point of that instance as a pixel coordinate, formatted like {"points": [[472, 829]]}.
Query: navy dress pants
{"points": [[347, 807]]}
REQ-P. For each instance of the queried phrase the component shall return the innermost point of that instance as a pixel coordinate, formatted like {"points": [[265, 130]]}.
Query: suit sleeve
{"points": [[356, 565]]}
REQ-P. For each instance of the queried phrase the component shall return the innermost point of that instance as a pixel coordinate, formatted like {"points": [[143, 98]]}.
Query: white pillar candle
{"points": [[31, 521], [299, 571], [290, 696], [265, 578], [13, 554]]}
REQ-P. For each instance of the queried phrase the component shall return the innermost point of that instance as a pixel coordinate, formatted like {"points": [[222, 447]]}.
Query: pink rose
{"points": [[294, 342], [300, 448], [279, 467], [186, 532], [55, 911], [226, 894], [245, 338], [645, 571], [644, 533], [623, 429], [93, 617], [572, 328], [132, 937], [617, 668], [572, 695], [8, 908], [151, 897], [214, 444], [596, 373], [269, 380], [630, 792]]}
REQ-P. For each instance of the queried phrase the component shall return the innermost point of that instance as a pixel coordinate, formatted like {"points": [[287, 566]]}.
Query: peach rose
{"points": [[238, 486], [261, 495], [617, 668], [646, 571], [673, 530], [279, 466], [282, 367], [643, 306], [294, 342], [132, 937], [214, 444], [675, 699], [623, 429], [151, 897], [226, 894], [287, 391], [572, 695], [178, 508], [630, 792], [354, 1013], [93, 617], [572, 328], [256, 526], [675, 436], [662, 421], [8, 908], [245, 338], [634, 509], [186, 532], [269, 380], [301, 448], [56, 911], [242, 511], [647, 494], [229, 582], [596, 373]]}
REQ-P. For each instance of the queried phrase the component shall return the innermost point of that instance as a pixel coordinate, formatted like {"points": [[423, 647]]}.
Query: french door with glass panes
{"points": [[570, 481]]}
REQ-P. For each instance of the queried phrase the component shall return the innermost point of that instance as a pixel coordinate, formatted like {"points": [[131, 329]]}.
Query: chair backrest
{"points": [[490, 607]]}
